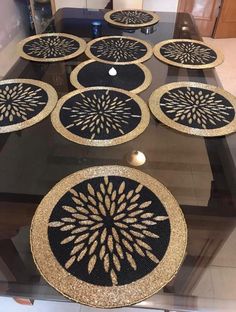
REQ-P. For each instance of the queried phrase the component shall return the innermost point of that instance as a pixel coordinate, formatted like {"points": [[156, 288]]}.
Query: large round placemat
{"points": [[119, 49], [188, 53], [131, 18], [100, 116], [24, 102], [131, 77], [51, 47], [108, 236], [195, 108]]}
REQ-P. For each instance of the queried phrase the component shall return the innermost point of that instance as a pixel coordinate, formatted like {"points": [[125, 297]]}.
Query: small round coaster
{"points": [[195, 108], [188, 53], [108, 236], [119, 50], [100, 116], [24, 102], [131, 18], [51, 47], [132, 77]]}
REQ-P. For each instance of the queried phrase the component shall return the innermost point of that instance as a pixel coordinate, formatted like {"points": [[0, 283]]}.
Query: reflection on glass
{"points": [[112, 72], [136, 158], [149, 30]]}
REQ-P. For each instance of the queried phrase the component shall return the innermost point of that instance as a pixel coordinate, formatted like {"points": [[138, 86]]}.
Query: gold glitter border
{"points": [[154, 104], [219, 60], [155, 20], [104, 296], [24, 55], [147, 56], [145, 118], [145, 84], [52, 100]]}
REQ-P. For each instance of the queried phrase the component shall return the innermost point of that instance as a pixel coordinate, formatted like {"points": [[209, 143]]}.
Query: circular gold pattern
{"points": [[51, 47], [48, 229], [24, 102], [100, 116], [144, 85], [188, 53], [131, 18], [195, 108], [119, 50]]}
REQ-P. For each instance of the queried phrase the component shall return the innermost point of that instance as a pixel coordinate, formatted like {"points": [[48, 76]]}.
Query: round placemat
{"points": [[24, 102], [131, 77], [119, 49], [188, 53], [51, 47], [195, 108], [100, 116], [108, 236], [131, 18]]}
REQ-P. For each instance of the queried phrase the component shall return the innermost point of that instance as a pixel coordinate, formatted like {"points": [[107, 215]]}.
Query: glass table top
{"points": [[200, 173]]}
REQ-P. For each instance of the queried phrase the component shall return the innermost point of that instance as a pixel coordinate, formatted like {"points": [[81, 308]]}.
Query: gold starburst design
{"points": [[98, 114], [131, 17], [188, 53], [118, 49], [19, 101], [108, 225], [48, 47], [195, 107]]}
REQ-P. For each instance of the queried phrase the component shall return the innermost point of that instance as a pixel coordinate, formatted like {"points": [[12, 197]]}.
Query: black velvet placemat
{"points": [[51, 47], [100, 221], [131, 18], [188, 53], [132, 77], [119, 49], [108, 236], [195, 108], [100, 116], [24, 102]]}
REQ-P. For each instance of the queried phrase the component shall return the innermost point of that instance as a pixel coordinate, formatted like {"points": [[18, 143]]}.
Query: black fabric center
{"points": [[109, 231], [197, 108], [20, 102], [128, 77], [131, 17], [118, 49], [189, 53], [100, 114], [51, 47]]}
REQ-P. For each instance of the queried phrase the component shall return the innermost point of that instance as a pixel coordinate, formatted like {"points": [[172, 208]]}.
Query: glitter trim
{"points": [[145, 84], [154, 104], [24, 55], [157, 53], [101, 296], [147, 56], [52, 100], [155, 19], [145, 118]]}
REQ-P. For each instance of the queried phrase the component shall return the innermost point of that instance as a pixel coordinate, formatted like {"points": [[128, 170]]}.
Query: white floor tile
{"points": [[226, 256], [224, 282], [204, 288]]}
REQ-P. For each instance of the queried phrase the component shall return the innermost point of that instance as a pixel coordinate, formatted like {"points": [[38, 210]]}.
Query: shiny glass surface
{"points": [[200, 173]]}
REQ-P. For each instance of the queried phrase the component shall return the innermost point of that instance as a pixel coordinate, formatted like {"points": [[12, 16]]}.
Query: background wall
{"points": [[161, 5], [12, 29], [93, 4]]}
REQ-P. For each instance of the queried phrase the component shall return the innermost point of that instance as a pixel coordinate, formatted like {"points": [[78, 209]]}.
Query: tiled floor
{"points": [[220, 275], [227, 75], [227, 70]]}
